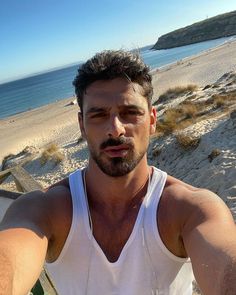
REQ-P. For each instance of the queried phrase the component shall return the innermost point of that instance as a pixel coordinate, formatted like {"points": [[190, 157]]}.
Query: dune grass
{"points": [[175, 91], [214, 153], [51, 153], [190, 112], [177, 118], [187, 142], [220, 100]]}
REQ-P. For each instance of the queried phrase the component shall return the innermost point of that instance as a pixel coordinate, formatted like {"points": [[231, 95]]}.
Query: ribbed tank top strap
{"points": [[78, 197], [77, 192], [76, 188], [157, 184]]}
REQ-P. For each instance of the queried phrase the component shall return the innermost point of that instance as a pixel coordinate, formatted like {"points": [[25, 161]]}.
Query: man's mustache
{"points": [[115, 142]]}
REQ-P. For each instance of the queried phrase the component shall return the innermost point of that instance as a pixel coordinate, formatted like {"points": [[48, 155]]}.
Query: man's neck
{"points": [[116, 192]]}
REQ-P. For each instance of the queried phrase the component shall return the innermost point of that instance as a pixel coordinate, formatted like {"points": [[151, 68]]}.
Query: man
{"points": [[118, 226]]}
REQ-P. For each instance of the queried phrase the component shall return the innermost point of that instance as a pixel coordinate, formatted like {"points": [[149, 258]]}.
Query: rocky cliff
{"points": [[216, 27]]}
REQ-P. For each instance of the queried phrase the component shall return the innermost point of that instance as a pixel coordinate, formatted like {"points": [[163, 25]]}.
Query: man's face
{"points": [[117, 124]]}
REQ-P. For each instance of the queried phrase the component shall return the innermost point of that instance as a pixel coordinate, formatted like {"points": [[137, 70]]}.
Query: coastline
{"points": [[167, 66], [57, 122], [38, 127], [201, 69]]}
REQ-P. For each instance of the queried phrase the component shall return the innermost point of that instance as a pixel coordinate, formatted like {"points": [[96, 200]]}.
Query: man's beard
{"points": [[117, 166]]}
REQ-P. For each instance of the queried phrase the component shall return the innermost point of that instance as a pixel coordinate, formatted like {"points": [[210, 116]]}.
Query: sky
{"points": [[38, 35]]}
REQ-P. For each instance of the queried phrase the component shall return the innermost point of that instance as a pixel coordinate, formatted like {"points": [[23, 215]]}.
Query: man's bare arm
{"points": [[24, 236], [210, 240]]}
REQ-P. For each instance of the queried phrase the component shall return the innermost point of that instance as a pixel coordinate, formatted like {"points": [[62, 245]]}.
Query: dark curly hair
{"points": [[111, 64]]}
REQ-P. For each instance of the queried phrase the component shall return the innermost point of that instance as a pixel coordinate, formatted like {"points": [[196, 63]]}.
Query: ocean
{"points": [[41, 89]]}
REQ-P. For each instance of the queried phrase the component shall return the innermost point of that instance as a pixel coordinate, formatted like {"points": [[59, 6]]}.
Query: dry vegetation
{"points": [[51, 153], [156, 152], [177, 118], [219, 101], [224, 99], [187, 142], [174, 92], [214, 153], [190, 112]]}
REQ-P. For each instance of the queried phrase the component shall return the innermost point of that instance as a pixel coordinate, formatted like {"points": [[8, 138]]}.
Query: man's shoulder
{"points": [[62, 184], [47, 213], [180, 191], [37, 205], [47, 199], [59, 197], [187, 200], [183, 207]]}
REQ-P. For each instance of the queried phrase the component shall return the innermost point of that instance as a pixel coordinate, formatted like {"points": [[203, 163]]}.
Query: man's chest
{"points": [[112, 237]]}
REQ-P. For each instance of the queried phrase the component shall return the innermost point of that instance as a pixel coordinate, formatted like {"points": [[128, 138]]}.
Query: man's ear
{"points": [[81, 124], [153, 120]]}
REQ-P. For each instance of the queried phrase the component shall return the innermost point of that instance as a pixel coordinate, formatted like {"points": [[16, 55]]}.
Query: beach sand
{"points": [[57, 122], [201, 69]]}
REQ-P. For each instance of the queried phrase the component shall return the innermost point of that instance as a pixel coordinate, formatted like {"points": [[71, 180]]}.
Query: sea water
{"points": [[38, 90]]}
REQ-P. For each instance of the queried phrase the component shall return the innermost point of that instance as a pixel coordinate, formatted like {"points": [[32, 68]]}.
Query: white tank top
{"points": [[144, 267]]}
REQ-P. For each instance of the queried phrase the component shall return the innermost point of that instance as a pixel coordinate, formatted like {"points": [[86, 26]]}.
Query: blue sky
{"points": [[36, 35]]}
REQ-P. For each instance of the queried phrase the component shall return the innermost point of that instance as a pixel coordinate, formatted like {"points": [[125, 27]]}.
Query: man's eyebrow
{"points": [[132, 106], [95, 110], [104, 109]]}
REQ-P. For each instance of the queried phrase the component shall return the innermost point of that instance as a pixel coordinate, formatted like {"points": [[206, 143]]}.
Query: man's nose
{"points": [[116, 128]]}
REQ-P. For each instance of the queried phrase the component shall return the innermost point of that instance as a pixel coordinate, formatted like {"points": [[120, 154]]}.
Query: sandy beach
{"points": [[38, 127], [57, 122], [201, 69]]}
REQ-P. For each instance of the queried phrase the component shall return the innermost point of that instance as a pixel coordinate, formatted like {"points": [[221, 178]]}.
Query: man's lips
{"points": [[116, 151]]}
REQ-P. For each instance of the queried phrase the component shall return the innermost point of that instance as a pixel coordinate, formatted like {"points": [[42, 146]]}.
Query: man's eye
{"points": [[134, 112], [98, 115], [131, 113]]}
